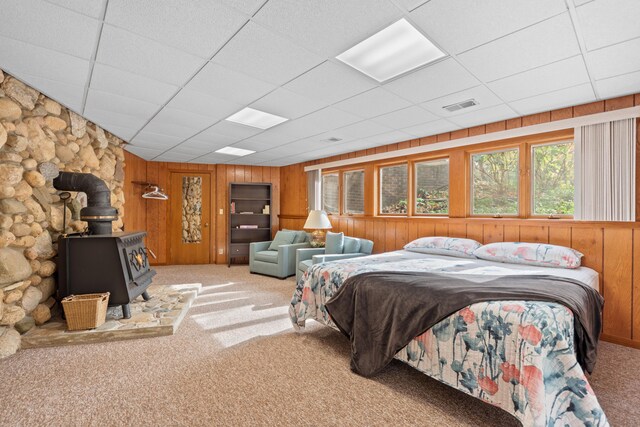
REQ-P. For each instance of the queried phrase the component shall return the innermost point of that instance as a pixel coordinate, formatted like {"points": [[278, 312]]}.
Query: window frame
{"points": [[378, 190], [414, 195], [531, 178], [521, 173], [343, 203], [338, 174]]}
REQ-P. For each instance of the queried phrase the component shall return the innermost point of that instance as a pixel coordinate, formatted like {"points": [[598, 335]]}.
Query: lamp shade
{"points": [[317, 220]]}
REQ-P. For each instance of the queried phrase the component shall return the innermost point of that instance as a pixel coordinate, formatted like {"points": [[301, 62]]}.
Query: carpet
{"points": [[236, 361]]}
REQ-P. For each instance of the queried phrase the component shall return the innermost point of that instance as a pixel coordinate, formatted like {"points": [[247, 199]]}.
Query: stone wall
{"points": [[39, 137]]}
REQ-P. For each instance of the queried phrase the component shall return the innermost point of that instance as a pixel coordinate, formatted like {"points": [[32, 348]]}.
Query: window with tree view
{"points": [[552, 179], [330, 193], [393, 189], [494, 183], [353, 192], [432, 187]]}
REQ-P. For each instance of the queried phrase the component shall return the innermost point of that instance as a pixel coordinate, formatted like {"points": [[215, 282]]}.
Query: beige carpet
{"points": [[236, 361]]}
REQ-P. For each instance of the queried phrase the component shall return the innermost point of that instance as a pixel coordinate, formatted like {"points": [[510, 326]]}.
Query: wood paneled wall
{"points": [[611, 249], [152, 215]]}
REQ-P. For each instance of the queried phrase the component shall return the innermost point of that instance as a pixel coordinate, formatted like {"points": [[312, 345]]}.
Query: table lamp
{"points": [[318, 221]]}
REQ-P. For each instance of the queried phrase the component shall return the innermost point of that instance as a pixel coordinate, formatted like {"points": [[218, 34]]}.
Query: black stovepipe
{"points": [[98, 213]]}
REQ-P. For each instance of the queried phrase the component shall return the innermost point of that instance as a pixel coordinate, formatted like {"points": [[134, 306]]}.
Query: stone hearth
{"points": [[159, 316]]}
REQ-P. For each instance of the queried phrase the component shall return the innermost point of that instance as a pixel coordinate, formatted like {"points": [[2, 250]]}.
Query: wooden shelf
{"points": [[251, 198], [252, 229]]}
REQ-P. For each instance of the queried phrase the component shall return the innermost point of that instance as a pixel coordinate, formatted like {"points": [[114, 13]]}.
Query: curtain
{"points": [[605, 171], [314, 192]]}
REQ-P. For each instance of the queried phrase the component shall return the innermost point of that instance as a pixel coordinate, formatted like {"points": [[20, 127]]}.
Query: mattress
{"points": [[482, 267], [517, 355]]}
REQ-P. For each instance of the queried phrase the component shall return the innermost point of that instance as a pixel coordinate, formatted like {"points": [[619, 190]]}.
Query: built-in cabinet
{"points": [[249, 217]]}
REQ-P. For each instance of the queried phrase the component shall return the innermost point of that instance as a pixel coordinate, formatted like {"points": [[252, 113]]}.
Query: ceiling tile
{"points": [[327, 27], [114, 118], [559, 75], [163, 127], [373, 103], [363, 129], [331, 83], [253, 145], [129, 52], [248, 7], [430, 128], [214, 158], [264, 55], [209, 23], [404, 118], [231, 129], [433, 81], [106, 101], [113, 80], [68, 32], [145, 153], [70, 96], [540, 44], [173, 156], [388, 138], [174, 116], [614, 60], [92, 8], [123, 133], [488, 115], [156, 141], [20, 58], [604, 23], [199, 103], [458, 26], [211, 140], [625, 84], [576, 95], [483, 96], [221, 82], [284, 103], [409, 5], [312, 124]]}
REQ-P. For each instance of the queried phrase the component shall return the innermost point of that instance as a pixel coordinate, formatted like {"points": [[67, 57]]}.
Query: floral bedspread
{"points": [[517, 355]]}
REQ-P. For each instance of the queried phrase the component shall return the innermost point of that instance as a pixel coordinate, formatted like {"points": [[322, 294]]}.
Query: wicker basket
{"points": [[86, 311]]}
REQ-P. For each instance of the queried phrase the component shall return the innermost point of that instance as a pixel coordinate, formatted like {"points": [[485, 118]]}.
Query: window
{"points": [[432, 187], [393, 189], [353, 192], [494, 183], [330, 193], [552, 179]]}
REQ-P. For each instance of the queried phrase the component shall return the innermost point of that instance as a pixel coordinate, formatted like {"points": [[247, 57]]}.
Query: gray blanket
{"points": [[381, 312]]}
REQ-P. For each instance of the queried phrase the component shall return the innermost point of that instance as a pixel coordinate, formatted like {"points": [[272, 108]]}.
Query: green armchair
{"points": [[353, 248], [280, 262]]}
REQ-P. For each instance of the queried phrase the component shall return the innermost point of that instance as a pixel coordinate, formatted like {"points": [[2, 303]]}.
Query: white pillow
{"points": [[540, 254], [451, 246]]}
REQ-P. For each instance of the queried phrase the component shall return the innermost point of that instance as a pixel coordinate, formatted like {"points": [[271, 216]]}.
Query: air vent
{"points": [[460, 105], [332, 139]]}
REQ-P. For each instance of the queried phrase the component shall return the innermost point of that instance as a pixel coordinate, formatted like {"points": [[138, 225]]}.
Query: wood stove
{"points": [[115, 263], [101, 261]]}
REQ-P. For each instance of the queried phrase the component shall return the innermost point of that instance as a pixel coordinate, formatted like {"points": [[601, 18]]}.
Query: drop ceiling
{"points": [[164, 74]]}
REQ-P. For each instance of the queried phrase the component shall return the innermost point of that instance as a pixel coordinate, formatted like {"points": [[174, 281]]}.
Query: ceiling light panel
{"points": [[234, 151], [396, 50], [256, 118]]}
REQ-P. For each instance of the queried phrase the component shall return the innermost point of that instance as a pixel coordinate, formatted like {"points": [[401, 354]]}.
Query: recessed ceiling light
{"points": [[397, 49], [256, 118], [233, 151]]}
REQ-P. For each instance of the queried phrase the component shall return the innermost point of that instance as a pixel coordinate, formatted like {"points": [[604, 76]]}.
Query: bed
{"points": [[517, 355]]}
